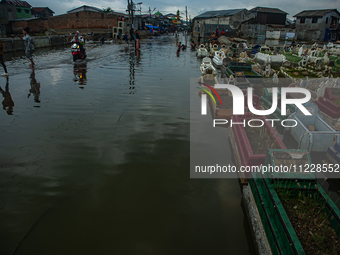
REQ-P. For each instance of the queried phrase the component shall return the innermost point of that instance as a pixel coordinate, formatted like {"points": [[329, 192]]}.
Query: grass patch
{"points": [[249, 73], [259, 139], [281, 75], [292, 58], [297, 73], [337, 63], [306, 212], [337, 101]]}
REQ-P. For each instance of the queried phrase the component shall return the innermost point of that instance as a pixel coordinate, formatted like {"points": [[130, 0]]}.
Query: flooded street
{"points": [[95, 158]]}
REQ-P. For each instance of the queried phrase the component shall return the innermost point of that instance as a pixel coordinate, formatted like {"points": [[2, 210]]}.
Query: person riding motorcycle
{"points": [[80, 41]]}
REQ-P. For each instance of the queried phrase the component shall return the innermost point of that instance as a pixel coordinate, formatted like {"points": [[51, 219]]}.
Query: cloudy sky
{"points": [[194, 8]]}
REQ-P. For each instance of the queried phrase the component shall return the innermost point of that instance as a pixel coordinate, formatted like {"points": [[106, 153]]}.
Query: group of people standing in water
{"points": [[29, 45], [7, 103], [135, 36]]}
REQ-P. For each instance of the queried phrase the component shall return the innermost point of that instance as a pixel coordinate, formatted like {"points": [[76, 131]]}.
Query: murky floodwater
{"points": [[95, 158]]}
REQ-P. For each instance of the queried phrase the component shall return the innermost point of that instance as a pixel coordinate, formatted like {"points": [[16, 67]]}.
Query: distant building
{"points": [[317, 25], [269, 16], [229, 20], [170, 15], [290, 22], [85, 8], [268, 23], [42, 12], [36, 25], [124, 25], [22, 9], [122, 28], [159, 15], [85, 19], [11, 10]]}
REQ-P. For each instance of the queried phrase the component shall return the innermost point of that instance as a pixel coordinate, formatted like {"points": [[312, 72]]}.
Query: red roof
{"points": [[19, 3], [40, 9]]}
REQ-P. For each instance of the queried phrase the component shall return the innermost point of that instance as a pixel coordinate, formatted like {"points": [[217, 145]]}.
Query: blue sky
{"points": [[194, 8]]}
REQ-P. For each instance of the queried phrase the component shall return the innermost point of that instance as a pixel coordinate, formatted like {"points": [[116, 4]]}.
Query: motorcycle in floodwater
{"points": [[78, 51]]}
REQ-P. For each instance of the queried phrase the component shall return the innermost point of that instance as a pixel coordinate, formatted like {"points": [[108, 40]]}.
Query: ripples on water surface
{"points": [[96, 159]]}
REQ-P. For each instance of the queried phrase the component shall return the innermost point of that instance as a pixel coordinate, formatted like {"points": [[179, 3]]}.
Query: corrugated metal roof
{"points": [[26, 19], [267, 9], [83, 7], [170, 14], [315, 13], [19, 3], [213, 14], [40, 9]]}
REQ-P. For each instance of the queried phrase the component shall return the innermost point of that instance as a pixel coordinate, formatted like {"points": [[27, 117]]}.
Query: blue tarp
{"points": [[255, 50], [154, 27]]}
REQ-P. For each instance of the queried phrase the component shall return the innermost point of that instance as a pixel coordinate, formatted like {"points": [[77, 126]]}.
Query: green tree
{"points": [[107, 10]]}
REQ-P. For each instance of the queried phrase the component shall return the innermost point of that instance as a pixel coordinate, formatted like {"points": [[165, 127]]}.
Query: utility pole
{"points": [[128, 6], [132, 8], [186, 15], [150, 16], [160, 24], [140, 12], [131, 50], [150, 11]]}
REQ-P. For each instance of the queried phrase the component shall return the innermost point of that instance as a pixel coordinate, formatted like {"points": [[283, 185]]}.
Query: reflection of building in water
{"points": [[80, 70], [35, 87], [7, 103]]}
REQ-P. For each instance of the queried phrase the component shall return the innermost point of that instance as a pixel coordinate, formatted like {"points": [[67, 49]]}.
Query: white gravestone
{"points": [[275, 78], [321, 90]]}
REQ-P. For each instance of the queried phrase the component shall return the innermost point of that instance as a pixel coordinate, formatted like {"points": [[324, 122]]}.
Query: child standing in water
{"points": [[29, 47], [126, 37]]}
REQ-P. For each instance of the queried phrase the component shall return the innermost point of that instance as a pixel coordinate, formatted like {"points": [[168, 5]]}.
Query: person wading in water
{"points": [[2, 59], [29, 46], [138, 40]]}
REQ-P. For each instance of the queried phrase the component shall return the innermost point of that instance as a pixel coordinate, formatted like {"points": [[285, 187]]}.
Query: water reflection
{"points": [[35, 87], [80, 71], [113, 161], [138, 56], [132, 73], [7, 103]]}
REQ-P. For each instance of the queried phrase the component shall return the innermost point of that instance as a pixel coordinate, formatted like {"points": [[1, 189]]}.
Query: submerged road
{"points": [[94, 158]]}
